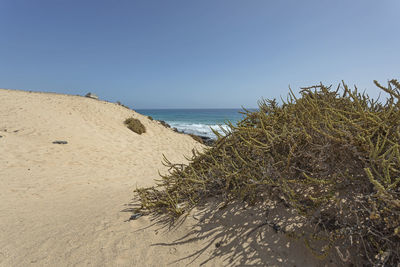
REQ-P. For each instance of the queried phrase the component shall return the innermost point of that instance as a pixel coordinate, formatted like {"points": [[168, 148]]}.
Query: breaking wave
{"points": [[198, 128]]}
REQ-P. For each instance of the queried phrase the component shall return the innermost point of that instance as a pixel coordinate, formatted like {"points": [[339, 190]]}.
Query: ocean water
{"points": [[195, 121]]}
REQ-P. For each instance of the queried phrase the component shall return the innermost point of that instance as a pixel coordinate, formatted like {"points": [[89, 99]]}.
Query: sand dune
{"points": [[62, 205]]}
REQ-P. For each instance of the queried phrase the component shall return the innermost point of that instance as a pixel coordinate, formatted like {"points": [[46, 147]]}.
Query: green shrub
{"points": [[150, 118], [331, 154], [135, 125]]}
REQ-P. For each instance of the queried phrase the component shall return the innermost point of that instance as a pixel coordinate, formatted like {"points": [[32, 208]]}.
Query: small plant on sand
{"points": [[135, 125], [197, 138], [333, 155], [150, 118]]}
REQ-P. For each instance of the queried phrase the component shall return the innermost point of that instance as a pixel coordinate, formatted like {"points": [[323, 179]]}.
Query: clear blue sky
{"points": [[196, 54]]}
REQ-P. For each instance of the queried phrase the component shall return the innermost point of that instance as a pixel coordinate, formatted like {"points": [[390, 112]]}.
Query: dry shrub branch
{"points": [[332, 154]]}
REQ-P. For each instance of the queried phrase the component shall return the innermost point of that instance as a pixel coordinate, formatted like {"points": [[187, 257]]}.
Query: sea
{"points": [[196, 121]]}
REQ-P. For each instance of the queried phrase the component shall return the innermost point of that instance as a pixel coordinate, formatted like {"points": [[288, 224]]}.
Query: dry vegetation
{"points": [[135, 125], [331, 154]]}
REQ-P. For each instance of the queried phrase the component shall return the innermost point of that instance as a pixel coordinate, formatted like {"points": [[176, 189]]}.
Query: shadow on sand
{"points": [[241, 235]]}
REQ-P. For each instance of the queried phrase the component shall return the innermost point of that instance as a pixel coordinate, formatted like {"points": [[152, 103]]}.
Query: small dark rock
{"points": [[197, 138], [60, 142], [122, 105], [204, 139], [165, 124], [218, 244], [208, 141], [135, 216], [90, 95]]}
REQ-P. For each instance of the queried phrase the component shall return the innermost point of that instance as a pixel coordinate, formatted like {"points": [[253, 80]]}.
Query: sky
{"points": [[196, 54]]}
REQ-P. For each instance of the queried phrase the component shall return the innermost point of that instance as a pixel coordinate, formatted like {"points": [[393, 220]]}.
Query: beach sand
{"points": [[68, 204]]}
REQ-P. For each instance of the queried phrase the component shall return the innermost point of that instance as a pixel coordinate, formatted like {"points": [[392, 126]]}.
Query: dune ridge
{"points": [[62, 204]]}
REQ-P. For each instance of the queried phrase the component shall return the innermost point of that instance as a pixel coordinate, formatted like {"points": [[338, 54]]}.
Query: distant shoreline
{"points": [[199, 122]]}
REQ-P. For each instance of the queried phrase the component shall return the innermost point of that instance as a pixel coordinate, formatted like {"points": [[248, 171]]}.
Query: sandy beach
{"points": [[68, 204]]}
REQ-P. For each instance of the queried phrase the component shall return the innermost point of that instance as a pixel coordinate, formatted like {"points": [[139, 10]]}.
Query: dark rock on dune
{"points": [[60, 142], [207, 140], [90, 95], [199, 138], [135, 216], [165, 124], [119, 103]]}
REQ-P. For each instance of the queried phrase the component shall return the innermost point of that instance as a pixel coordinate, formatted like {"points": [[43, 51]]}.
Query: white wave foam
{"points": [[198, 128]]}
